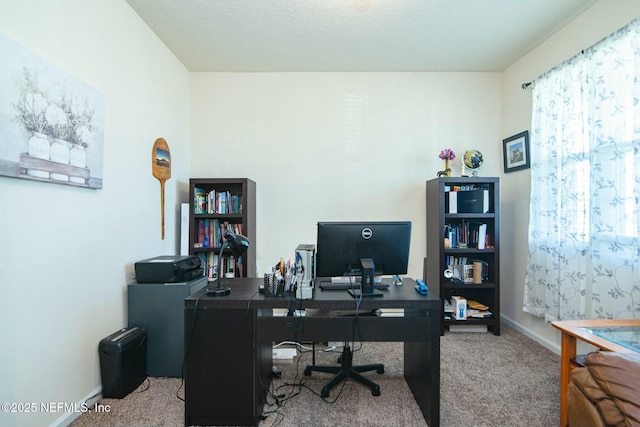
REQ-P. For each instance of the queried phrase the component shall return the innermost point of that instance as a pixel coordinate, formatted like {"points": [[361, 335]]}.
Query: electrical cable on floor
{"points": [[300, 345]]}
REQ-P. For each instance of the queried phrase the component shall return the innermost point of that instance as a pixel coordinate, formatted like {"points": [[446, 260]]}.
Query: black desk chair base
{"points": [[347, 370]]}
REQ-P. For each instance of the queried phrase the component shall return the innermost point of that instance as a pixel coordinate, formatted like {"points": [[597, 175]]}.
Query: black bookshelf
{"points": [[232, 206], [461, 225]]}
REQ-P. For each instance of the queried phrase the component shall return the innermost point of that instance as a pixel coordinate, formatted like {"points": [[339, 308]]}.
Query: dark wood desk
{"points": [[228, 345]]}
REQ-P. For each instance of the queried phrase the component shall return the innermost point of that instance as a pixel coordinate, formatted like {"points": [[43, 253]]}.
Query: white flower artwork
{"points": [[51, 123]]}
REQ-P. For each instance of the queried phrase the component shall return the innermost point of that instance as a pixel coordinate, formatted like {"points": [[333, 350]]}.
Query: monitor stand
{"points": [[367, 289]]}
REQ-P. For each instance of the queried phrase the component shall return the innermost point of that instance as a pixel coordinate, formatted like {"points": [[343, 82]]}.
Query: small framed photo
{"points": [[516, 152]]}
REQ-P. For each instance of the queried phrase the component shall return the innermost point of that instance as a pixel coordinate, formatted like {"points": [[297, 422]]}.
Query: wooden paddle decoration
{"points": [[161, 169]]}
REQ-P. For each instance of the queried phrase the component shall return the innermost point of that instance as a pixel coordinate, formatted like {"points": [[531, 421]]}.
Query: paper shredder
{"points": [[123, 361]]}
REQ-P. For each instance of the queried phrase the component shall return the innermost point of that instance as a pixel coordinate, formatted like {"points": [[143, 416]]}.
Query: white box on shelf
{"points": [[459, 305]]}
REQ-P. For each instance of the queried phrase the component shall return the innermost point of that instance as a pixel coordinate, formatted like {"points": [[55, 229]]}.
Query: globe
{"points": [[473, 160]]}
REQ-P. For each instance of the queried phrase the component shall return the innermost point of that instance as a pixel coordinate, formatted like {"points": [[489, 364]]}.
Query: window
{"points": [[584, 252]]}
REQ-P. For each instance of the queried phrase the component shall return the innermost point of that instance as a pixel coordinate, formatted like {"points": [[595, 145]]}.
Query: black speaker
{"points": [[123, 361]]}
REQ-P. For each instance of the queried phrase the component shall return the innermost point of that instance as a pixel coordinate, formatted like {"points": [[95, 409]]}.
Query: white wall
{"points": [[340, 146], [320, 147], [68, 253], [602, 19]]}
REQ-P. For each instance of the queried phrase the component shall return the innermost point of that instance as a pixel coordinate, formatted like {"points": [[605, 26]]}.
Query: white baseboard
{"points": [[527, 332], [68, 417]]}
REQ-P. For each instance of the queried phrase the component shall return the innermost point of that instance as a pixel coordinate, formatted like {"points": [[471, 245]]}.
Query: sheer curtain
{"points": [[584, 256]]}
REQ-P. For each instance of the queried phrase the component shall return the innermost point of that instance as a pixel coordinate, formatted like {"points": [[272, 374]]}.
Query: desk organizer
{"points": [[273, 287]]}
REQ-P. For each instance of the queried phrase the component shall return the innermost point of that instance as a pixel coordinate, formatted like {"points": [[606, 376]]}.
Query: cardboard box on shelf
{"points": [[459, 305]]}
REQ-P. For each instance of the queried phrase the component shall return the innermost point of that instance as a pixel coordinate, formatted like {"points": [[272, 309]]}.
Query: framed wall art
{"points": [[51, 123], [516, 152]]}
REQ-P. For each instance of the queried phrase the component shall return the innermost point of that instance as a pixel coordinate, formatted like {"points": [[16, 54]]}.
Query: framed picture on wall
{"points": [[51, 123], [516, 152]]}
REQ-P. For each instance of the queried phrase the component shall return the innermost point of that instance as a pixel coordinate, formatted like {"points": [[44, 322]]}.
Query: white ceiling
{"points": [[354, 35]]}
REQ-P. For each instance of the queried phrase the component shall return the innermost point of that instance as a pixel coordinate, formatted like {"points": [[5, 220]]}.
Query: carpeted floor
{"points": [[486, 380]]}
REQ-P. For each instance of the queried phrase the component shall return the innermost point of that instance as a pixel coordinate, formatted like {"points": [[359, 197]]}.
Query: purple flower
{"points": [[447, 154]]}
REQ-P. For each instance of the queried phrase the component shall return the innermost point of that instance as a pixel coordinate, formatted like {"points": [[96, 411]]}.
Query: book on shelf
{"points": [[199, 201], [229, 266], [240, 267], [482, 236], [468, 234], [209, 233], [229, 203], [209, 262], [211, 197], [216, 202]]}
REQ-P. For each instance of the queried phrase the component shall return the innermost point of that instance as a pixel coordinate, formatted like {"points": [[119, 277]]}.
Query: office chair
{"points": [[347, 370]]}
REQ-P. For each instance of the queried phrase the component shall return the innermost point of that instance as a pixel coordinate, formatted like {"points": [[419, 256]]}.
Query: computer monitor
{"points": [[363, 249]]}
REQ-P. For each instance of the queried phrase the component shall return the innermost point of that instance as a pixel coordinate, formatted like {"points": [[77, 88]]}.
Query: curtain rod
{"points": [[526, 85], [634, 22]]}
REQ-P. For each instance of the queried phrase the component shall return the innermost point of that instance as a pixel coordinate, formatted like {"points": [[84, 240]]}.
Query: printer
{"points": [[168, 269]]}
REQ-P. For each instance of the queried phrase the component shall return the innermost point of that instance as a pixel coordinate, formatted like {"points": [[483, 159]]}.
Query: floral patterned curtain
{"points": [[584, 257]]}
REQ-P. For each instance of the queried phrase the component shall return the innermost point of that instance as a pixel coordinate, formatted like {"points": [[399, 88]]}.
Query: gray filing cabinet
{"points": [[159, 309]]}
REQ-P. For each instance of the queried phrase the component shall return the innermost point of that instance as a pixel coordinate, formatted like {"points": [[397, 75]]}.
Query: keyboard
{"points": [[343, 286]]}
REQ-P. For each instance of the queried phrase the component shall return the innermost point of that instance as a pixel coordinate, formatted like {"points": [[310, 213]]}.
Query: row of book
{"points": [[465, 187], [231, 266], [216, 202], [467, 234], [210, 232]]}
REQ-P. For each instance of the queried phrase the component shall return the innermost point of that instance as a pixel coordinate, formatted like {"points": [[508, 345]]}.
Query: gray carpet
{"points": [[486, 380]]}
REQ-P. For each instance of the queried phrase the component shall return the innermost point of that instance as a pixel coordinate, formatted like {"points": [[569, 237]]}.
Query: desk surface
{"points": [[245, 291], [248, 367]]}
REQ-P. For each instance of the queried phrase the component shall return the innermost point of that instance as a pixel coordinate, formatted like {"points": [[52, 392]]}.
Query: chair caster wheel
{"points": [[325, 392], [380, 370], [307, 372], [375, 391]]}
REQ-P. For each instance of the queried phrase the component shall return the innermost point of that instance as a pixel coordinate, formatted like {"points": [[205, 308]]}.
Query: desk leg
{"points": [[568, 352], [222, 359], [422, 373]]}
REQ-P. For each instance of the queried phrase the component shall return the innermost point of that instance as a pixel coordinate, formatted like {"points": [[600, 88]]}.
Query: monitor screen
{"points": [[342, 247]]}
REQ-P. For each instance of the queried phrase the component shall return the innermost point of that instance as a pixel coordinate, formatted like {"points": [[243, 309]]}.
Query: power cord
{"points": [[186, 352]]}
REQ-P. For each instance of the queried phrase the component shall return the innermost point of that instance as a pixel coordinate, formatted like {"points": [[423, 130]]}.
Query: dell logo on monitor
{"points": [[366, 233]]}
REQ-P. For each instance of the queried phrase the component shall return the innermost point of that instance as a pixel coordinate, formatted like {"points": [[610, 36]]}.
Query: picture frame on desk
{"points": [[516, 152]]}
